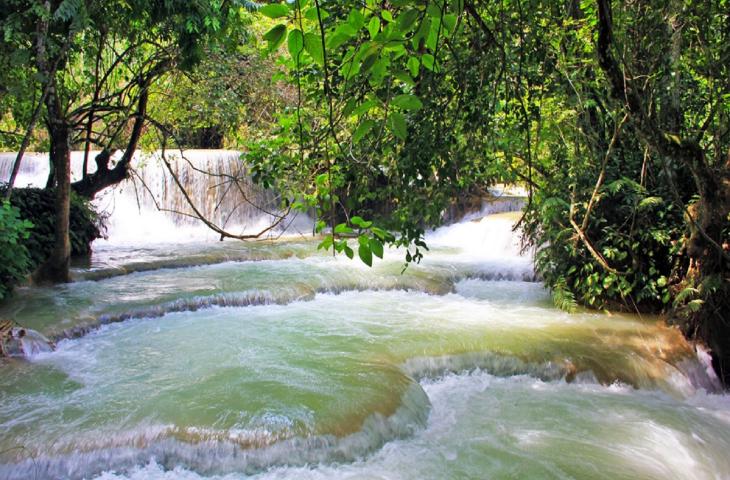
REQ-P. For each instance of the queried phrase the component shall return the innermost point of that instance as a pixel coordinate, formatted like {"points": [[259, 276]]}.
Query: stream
{"points": [[179, 357]]}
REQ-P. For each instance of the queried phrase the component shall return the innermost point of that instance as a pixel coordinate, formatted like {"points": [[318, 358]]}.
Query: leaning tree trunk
{"points": [[104, 176]]}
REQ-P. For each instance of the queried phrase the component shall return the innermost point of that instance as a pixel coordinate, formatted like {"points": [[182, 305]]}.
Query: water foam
{"points": [[481, 426], [221, 453]]}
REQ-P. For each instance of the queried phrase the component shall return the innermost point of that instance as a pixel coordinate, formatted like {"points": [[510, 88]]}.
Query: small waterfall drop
{"points": [[150, 208], [489, 236], [486, 248]]}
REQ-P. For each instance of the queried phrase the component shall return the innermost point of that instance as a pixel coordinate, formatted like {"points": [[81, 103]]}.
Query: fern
{"points": [[67, 10], [650, 202], [563, 298], [686, 294]]}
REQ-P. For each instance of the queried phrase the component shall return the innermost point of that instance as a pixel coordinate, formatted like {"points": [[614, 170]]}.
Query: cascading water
{"points": [[150, 208], [272, 360]]}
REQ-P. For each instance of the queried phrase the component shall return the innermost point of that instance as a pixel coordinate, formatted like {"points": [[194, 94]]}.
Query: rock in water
{"points": [[21, 342]]}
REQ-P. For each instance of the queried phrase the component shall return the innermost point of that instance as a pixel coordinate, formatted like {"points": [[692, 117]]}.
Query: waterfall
{"points": [[150, 208]]}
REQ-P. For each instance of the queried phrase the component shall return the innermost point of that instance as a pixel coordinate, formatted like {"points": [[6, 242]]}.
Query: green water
{"points": [[282, 362]]}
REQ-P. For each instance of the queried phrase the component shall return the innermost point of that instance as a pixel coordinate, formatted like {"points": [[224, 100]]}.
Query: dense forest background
{"points": [[381, 116]]}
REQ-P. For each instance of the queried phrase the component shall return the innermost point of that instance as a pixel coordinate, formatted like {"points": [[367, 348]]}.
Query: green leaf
{"points": [[343, 228], [407, 102], [684, 294], [450, 21], [433, 35], [397, 125], [673, 138], [363, 240], [374, 27], [404, 77], [362, 130], [342, 33], [275, 36], [695, 305], [364, 107], [382, 234], [421, 33], [356, 19], [369, 61], [349, 252], [650, 202], [335, 40], [311, 14], [321, 180], [295, 42], [360, 222], [434, 10], [274, 10], [457, 6], [326, 243], [365, 254], [376, 247], [414, 65], [313, 46], [349, 107], [406, 19], [427, 60], [340, 245], [350, 69]]}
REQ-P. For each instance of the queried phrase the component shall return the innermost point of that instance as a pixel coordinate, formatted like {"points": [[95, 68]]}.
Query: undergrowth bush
{"points": [[24, 249], [635, 225], [14, 256]]}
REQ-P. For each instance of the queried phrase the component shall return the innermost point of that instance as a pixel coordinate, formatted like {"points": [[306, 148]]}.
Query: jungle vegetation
{"points": [[380, 115]]}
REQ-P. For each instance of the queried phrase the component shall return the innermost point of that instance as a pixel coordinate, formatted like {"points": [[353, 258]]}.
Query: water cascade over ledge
{"points": [[149, 207]]}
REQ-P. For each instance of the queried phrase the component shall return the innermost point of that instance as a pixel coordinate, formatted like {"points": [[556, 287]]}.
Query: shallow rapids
{"points": [[276, 361]]}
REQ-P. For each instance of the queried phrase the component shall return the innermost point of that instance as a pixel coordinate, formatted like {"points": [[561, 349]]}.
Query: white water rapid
{"points": [[181, 357]]}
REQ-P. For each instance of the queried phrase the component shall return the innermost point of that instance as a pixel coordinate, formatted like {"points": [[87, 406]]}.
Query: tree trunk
{"points": [[56, 268], [708, 267]]}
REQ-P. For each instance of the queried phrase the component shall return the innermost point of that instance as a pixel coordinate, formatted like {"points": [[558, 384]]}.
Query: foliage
{"points": [[362, 74], [100, 58], [403, 106], [635, 227], [629, 197], [224, 100], [37, 206], [376, 116], [14, 256]]}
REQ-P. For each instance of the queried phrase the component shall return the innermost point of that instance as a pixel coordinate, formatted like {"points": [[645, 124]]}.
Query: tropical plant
{"points": [[14, 257]]}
